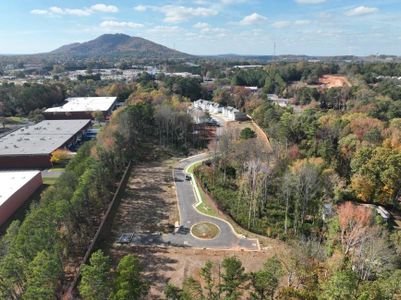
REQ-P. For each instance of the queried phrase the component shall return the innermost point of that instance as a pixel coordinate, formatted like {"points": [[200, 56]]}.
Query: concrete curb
{"points": [[202, 239]]}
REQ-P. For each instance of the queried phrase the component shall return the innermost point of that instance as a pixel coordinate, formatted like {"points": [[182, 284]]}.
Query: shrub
{"points": [[247, 133]]}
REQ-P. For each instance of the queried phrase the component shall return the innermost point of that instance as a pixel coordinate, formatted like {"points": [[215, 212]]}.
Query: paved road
{"points": [[189, 216]]}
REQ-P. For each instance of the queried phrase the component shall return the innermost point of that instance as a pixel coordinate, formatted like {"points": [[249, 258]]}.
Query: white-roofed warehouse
{"points": [[15, 189], [82, 108], [31, 147]]}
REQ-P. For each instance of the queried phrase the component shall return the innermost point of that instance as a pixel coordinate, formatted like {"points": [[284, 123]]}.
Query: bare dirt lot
{"points": [[163, 265], [332, 81], [149, 202]]}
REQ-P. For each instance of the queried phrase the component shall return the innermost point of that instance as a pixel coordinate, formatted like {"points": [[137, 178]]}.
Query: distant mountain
{"points": [[118, 45]]}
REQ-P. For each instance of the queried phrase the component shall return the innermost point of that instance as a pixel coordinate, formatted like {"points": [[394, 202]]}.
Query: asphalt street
{"points": [[189, 216]]}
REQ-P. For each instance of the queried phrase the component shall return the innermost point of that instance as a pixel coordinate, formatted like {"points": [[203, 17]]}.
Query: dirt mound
{"points": [[333, 81]]}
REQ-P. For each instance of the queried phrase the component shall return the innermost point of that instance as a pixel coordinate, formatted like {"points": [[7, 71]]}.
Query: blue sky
{"points": [[313, 27]]}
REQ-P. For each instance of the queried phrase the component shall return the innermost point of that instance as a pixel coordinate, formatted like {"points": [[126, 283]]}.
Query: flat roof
{"points": [[41, 138], [84, 104], [12, 182]]}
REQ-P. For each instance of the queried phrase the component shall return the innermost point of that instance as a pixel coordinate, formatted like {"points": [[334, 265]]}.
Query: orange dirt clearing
{"points": [[333, 81]]}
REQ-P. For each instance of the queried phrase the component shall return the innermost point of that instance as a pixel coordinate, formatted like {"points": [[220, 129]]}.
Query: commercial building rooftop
{"points": [[41, 138], [12, 182], [84, 104]]}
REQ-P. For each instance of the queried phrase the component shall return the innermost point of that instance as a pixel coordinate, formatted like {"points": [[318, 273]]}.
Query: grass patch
{"points": [[58, 169], [193, 166], [205, 230], [49, 180], [16, 120], [203, 207]]}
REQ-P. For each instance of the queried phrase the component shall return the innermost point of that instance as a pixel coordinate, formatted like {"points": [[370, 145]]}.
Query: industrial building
{"points": [[31, 147], [82, 108], [15, 189]]}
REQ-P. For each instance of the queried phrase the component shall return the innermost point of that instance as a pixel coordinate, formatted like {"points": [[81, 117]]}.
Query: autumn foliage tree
{"points": [[364, 243], [60, 155], [377, 175], [354, 223]]}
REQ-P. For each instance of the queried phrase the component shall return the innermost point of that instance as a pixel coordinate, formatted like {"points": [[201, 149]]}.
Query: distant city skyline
{"points": [[206, 27]]}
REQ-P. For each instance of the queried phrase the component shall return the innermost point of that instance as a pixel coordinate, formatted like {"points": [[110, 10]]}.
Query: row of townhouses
{"points": [[228, 112]]}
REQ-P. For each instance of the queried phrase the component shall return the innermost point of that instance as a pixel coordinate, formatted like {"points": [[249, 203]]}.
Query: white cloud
{"points": [[202, 2], [81, 12], [281, 24], [310, 1], [165, 30], [176, 14], [179, 13], [111, 24], [253, 19], [302, 22], [56, 10], [77, 12], [39, 12], [229, 2], [201, 25], [360, 11], [284, 24], [206, 28], [141, 8], [100, 7]]}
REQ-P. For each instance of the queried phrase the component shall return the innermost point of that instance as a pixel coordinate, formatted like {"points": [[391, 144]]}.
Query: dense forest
{"points": [[331, 161], [21, 100]]}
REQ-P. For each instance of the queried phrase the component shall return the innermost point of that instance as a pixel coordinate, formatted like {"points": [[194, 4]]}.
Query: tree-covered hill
{"points": [[111, 45]]}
